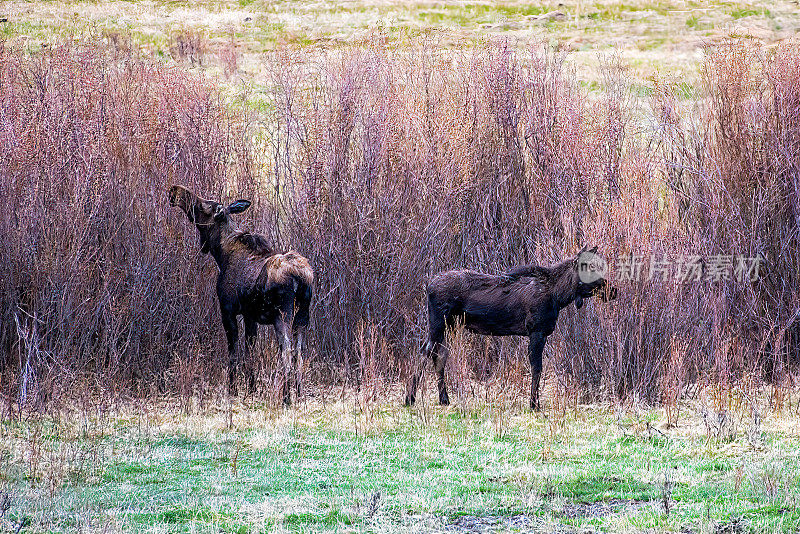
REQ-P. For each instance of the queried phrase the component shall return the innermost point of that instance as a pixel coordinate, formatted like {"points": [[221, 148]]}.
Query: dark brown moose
{"points": [[524, 301], [255, 281]]}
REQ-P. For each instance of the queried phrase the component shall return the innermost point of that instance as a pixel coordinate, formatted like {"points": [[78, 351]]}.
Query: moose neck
{"points": [[566, 283], [218, 250]]}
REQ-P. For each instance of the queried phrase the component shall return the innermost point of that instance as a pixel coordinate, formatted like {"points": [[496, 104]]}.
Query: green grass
{"points": [[743, 12], [337, 468], [666, 34]]}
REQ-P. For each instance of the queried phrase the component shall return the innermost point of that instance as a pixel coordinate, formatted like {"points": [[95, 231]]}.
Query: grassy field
{"points": [[665, 38], [346, 463]]}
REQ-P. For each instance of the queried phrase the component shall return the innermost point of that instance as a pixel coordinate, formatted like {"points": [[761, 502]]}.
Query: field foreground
{"points": [[353, 464]]}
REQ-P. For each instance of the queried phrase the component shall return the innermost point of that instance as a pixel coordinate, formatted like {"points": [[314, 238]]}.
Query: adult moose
{"points": [[255, 281], [524, 301]]}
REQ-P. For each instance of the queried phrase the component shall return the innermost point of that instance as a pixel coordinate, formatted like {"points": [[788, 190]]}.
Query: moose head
{"points": [[591, 271], [211, 218]]}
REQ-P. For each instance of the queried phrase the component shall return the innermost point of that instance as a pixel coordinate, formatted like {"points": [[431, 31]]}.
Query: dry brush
{"points": [[383, 166]]}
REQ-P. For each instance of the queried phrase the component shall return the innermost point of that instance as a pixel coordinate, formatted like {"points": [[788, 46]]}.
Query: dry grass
{"points": [[654, 38], [332, 464]]}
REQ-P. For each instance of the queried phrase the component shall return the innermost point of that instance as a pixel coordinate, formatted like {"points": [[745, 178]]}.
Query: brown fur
{"points": [[524, 301], [255, 281], [281, 267], [254, 243]]}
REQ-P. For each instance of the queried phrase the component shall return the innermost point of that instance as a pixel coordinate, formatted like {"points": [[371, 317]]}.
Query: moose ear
{"points": [[593, 250], [239, 206], [219, 213]]}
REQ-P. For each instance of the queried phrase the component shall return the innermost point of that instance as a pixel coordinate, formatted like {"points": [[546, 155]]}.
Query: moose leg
{"points": [[250, 334], [535, 349], [298, 353], [431, 348], [440, 353], [283, 333], [436, 329], [302, 308], [411, 394], [232, 334]]}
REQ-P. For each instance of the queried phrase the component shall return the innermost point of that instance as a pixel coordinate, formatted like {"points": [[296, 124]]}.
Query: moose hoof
{"points": [[409, 401], [444, 400]]}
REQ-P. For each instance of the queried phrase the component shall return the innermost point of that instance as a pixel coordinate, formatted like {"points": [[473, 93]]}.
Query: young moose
{"points": [[256, 282], [524, 301]]}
